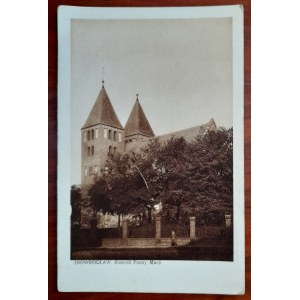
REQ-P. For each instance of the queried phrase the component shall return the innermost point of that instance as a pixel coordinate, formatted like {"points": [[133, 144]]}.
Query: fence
{"points": [[158, 233]]}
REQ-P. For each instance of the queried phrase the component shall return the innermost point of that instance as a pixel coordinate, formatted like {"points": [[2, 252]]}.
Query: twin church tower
{"points": [[102, 133]]}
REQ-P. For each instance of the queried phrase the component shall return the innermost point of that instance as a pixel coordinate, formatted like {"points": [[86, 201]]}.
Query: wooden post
{"points": [[228, 221], [157, 229], [125, 231], [192, 228]]}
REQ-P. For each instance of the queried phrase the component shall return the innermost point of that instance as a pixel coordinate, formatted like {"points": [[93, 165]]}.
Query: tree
{"points": [[75, 204], [99, 196], [211, 174], [165, 169], [128, 191], [192, 178], [187, 178]]}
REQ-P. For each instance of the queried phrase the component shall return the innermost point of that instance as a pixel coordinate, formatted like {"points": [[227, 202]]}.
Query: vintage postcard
{"points": [[151, 150]]}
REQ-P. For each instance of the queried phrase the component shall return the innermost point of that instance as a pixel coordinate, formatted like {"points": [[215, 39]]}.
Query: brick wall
{"points": [[92, 163]]}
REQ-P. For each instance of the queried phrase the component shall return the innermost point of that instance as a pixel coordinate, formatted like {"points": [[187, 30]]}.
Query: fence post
{"points": [[157, 229], [227, 221], [192, 228], [125, 231]]}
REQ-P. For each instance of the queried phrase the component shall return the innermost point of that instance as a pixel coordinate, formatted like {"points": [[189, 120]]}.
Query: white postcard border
{"points": [[169, 276]]}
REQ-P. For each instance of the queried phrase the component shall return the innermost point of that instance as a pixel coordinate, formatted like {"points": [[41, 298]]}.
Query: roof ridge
{"points": [[211, 123]]}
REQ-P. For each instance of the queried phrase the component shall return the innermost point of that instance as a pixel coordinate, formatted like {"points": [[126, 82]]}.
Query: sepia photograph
{"points": [[152, 156], [152, 141]]}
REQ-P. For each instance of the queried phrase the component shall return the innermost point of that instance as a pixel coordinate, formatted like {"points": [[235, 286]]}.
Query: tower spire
{"points": [[103, 76], [103, 112], [137, 123]]}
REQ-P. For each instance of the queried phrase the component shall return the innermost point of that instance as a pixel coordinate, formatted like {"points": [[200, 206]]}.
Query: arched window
{"points": [[115, 135], [88, 135], [96, 133], [109, 134], [93, 134], [109, 149], [92, 150], [88, 151], [90, 170]]}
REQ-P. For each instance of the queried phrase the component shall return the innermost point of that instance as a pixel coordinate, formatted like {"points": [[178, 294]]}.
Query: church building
{"points": [[102, 133]]}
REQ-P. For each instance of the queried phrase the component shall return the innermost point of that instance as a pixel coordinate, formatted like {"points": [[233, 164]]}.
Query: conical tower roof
{"points": [[103, 112], [137, 122]]}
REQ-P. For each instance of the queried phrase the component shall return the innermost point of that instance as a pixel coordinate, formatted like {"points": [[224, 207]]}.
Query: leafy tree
{"points": [[168, 177], [128, 188], [99, 196], [187, 178], [192, 178], [211, 174], [75, 203]]}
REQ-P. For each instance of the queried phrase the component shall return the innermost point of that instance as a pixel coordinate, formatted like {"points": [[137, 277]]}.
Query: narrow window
{"points": [[105, 133], [85, 171], [90, 170], [109, 149], [96, 133], [115, 135], [120, 137], [92, 150], [88, 135], [109, 134], [93, 134], [84, 136], [88, 151]]}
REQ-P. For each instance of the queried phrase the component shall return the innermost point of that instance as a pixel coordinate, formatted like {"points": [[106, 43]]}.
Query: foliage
{"points": [[98, 195], [189, 179], [75, 204], [127, 188]]}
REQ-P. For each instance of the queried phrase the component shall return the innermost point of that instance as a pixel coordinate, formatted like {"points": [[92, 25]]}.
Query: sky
{"points": [[181, 69]]}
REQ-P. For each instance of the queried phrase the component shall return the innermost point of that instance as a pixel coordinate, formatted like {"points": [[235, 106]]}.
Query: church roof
{"points": [[103, 112], [190, 134], [137, 122]]}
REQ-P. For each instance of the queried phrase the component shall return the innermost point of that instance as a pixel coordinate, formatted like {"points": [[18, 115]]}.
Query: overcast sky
{"points": [[182, 70]]}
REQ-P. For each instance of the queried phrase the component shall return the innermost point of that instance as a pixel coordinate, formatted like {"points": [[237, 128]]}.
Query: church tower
{"points": [[102, 133], [137, 130]]}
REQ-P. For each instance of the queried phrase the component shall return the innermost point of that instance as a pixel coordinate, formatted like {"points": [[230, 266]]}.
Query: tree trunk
{"points": [[168, 216], [119, 220], [149, 215], [178, 214]]}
